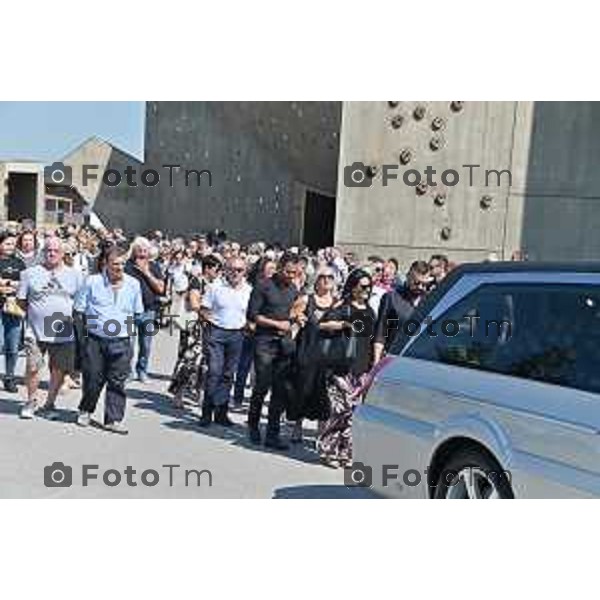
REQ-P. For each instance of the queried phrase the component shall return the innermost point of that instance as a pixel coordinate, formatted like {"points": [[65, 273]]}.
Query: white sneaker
{"points": [[29, 409], [116, 427], [83, 419]]}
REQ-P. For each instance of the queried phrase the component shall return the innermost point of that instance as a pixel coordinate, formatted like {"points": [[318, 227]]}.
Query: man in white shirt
{"points": [[224, 307]]}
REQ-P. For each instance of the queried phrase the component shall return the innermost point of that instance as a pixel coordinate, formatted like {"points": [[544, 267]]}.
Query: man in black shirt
{"points": [[398, 306], [11, 316], [152, 283], [269, 308]]}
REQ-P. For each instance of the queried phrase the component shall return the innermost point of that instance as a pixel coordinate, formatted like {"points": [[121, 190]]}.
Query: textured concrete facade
{"points": [[263, 156], [549, 208], [117, 206]]}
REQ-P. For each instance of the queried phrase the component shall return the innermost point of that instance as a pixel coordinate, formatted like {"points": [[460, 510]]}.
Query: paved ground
{"points": [[159, 435]]}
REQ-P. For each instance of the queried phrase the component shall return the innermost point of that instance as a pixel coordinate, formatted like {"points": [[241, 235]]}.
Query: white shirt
{"points": [[227, 305]]}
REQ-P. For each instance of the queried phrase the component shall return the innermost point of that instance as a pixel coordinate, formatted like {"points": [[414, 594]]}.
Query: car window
{"points": [[545, 332]]}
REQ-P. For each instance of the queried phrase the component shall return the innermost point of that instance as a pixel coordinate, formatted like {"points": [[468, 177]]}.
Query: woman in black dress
{"points": [[351, 321], [310, 399]]}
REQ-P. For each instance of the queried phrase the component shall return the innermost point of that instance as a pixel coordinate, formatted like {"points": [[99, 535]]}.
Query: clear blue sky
{"points": [[46, 131]]}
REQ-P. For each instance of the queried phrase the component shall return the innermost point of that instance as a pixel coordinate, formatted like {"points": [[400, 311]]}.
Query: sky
{"points": [[47, 131]]}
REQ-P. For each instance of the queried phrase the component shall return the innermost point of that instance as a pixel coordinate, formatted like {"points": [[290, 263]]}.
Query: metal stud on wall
{"points": [[397, 121], [457, 105], [436, 143], [405, 156], [446, 232], [419, 112], [437, 123], [439, 199], [421, 188], [485, 202], [393, 103]]}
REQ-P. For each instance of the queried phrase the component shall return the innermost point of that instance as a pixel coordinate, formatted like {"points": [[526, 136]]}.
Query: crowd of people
{"points": [[254, 322]]}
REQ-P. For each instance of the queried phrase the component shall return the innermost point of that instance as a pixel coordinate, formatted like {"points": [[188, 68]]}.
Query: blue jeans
{"points": [[145, 325], [223, 349], [10, 336], [243, 369]]}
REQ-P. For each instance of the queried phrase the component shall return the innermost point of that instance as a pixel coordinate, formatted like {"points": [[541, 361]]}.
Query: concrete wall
{"points": [[117, 206], [550, 210], [396, 220], [262, 156]]}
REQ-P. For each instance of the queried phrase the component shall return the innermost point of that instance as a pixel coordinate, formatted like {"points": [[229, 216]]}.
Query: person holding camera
{"points": [[11, 319], [47, 292]]}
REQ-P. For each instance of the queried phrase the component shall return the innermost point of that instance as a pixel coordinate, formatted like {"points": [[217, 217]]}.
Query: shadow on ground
{"points": [[323, 492]]}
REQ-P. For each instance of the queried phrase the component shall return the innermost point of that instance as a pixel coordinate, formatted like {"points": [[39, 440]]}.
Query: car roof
{"points": [[491, 267], [529, 266]]}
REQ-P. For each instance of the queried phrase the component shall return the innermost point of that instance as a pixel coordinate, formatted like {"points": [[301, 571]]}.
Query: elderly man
{"points": [[47, 292], [110, 302], [224, 307], [152, 283]]}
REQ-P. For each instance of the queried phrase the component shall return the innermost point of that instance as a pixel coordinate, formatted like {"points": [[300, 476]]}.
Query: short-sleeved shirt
{"points": [[228, 305], [49, 295], [149, 296], [272, 300], [100, 303]]}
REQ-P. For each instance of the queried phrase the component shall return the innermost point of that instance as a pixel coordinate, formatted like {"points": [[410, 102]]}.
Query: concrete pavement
{"points": [[159, 435]]}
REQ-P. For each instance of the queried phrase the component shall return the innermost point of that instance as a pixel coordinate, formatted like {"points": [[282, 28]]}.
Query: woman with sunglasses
{"points": [[349, 324], [310, 400]]}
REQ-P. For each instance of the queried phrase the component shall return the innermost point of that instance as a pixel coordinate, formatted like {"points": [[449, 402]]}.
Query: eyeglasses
{"points": [[239, 270]]}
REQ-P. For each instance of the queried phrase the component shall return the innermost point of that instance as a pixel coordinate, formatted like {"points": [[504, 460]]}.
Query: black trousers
{"points": [[273, 360], [106, 362]]}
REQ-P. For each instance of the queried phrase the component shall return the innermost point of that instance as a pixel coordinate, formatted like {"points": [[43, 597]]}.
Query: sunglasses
{"points": [[366, 287]]}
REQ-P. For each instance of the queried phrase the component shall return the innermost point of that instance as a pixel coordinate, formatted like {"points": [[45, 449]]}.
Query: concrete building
{"points": [[116, 205], [549, 207], [273, 167]]}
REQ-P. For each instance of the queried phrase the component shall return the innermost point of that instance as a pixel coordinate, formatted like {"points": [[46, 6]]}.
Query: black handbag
{"points": [[337, 350]]}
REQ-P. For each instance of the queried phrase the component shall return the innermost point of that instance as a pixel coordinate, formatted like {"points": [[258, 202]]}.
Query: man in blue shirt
{"points": [[110, 302]]}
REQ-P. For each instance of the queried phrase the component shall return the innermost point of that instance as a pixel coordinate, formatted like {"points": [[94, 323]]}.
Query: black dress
{"points": [[310, 399]]}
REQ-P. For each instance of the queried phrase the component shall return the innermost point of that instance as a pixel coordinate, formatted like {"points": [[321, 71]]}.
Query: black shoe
{"points": [[206, 418], [276, 443], [254, 434], [221, 417], [10, 385]]}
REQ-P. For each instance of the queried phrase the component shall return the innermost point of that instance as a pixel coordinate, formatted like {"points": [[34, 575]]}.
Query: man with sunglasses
{"points": [[398, 306], [223, 308]]}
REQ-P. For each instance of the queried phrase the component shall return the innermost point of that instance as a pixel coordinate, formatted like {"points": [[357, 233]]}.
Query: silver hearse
{"points": [[491, 391]]}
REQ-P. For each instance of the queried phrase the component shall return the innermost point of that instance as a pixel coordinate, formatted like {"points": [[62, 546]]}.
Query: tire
{"points": [[472, 473]]}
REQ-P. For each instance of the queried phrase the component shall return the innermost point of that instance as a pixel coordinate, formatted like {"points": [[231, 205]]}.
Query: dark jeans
{"points": [[146, 324], [272, 363], [106, 361], [243, 369], [223, 348], [10, 336]]}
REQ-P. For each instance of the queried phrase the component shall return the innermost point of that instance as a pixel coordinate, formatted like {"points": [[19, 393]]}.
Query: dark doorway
{"points": [[319, 221], [22, 196]]}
